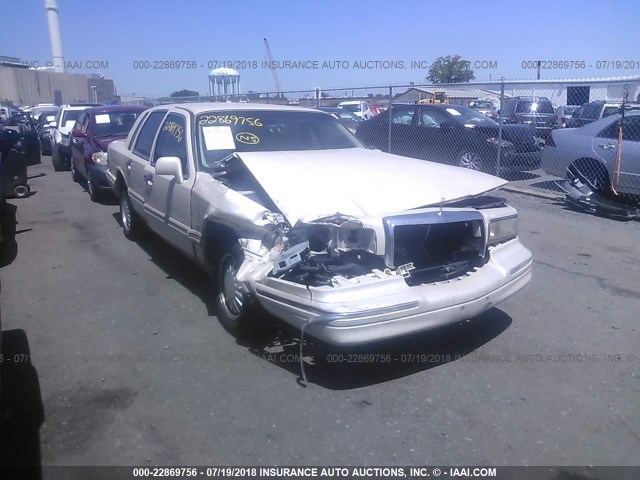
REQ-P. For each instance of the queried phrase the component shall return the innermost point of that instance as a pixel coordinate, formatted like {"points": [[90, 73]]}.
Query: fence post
{"points": [[268, 98], [317, 98], [389, 132], [500, 127]]}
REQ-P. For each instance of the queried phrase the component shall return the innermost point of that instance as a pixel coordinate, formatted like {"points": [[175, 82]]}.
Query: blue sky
{"points": [[506, 32]]}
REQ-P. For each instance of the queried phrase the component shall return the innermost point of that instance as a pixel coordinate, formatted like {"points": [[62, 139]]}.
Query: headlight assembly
{"points": [[100, 158], [502, 229]]}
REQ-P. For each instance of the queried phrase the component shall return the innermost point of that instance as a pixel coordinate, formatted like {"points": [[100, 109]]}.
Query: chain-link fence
{"points": [[513, 129]]}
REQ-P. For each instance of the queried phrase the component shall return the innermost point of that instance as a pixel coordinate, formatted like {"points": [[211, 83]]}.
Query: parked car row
{"points": [[282, 206], [451, 134], [592, 111]]}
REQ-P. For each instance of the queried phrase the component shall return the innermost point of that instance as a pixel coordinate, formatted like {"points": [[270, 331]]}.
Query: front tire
{"points": [[94, 194], [236, 309], [131, 223], [57, 158], [74, 172]]}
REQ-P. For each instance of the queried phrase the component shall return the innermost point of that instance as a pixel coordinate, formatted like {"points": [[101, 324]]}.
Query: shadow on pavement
{"points": [[341, 368], [337, 367], [23, 412], [514, 175], [551, 185]]}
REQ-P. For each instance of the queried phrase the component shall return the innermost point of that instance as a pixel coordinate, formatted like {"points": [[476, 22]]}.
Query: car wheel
{"points": [[57, 158], [236, 309], [594, 173], [471, 160], [45, 147], [74, 171], [131, 223], [94, 194], [21, 191]]}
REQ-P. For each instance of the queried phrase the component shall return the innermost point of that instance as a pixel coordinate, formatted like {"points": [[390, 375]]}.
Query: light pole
{"points": [[94, 94]]}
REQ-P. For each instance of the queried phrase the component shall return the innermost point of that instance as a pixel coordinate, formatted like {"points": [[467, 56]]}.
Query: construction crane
{"points": [[273, 68]]}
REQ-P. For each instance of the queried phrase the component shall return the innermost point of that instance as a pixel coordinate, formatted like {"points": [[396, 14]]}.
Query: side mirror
{"points": [[77, 133], [171, 166]]}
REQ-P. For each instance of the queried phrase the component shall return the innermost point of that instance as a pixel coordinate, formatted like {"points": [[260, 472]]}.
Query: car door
{"points": [[167, 202], [78, 144], [605, 145], [140, 157], [403, 130], [431, 139]]}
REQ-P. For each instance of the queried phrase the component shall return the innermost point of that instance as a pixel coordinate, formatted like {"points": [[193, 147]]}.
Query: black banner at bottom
{"points": [[322, 473]]}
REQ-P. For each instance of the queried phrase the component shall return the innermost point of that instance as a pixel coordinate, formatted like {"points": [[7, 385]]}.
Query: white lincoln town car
{"points": [[291, 214]]}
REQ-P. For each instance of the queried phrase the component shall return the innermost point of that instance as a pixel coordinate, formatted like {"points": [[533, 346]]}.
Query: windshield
{"points": [[534, 107], [114, 124], [223, 133], [350, 108], [468, 116]]}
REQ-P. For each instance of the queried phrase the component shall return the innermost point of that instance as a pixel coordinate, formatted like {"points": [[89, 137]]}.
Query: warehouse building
{"points": [[24, 85], [573, 91]]}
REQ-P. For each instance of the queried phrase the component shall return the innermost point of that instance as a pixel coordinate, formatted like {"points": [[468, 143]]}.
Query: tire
{"points": [[471, 160], [74, 171], [21, 191], [236, 310], [131, 223], [94, 194], [57, 158], [45, 147], [595, 173]]}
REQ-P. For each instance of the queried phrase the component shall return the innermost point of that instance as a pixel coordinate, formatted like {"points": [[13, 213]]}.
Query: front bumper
{"points": [[99, 177], [388, 307]]}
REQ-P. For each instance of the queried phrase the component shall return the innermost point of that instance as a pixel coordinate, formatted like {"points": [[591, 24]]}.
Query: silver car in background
{"points": [[592, 150]]}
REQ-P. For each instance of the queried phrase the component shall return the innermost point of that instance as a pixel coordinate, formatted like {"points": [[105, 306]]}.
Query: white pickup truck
{"points": [[289, 212]]}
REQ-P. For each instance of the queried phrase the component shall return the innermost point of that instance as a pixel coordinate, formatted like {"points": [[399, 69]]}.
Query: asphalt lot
{"points": [[131, 366]]}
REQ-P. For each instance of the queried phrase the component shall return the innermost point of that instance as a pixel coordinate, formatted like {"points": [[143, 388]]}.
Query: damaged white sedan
{"points": [[289, 212]]}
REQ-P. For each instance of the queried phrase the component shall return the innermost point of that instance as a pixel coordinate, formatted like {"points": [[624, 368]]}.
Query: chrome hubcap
{"points": [[125, 213], [471, 161], [21, 191], [231, 293]]}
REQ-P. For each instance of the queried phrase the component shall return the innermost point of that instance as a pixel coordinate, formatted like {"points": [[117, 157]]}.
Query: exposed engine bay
{"points": [[339, 247]]}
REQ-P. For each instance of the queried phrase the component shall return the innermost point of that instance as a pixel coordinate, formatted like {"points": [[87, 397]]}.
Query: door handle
{"points": [[607, 146], [149, 179], [129, 166]]}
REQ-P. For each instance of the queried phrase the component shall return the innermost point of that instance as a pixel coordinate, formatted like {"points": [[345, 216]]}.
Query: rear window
{"points": [[114, 124], [534, 107]]}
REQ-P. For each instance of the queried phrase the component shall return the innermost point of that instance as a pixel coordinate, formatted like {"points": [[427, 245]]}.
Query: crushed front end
{"points": [[350, 281]]}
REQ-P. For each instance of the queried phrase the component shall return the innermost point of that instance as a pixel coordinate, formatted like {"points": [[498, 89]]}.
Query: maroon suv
{"points": [[94, 130]]}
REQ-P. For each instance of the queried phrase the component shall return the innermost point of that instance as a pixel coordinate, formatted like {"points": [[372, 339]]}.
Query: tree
{"points": [[184, 93], [450, 70]]}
